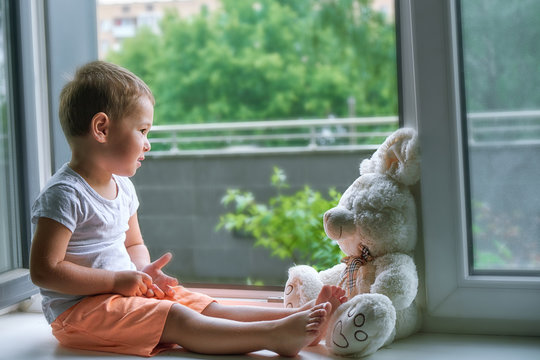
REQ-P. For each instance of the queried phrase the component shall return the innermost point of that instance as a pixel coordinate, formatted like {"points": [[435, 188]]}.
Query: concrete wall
{"points": [[180, 208], [507, 177], [505, 181]]}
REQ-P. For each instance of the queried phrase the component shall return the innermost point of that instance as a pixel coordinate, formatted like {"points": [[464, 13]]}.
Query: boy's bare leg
{"points": [[248, 313], [335, 296], [210, 335], [332, 294]]}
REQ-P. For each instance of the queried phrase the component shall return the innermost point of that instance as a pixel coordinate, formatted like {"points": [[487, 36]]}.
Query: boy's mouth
{"points": [[139, 161]]}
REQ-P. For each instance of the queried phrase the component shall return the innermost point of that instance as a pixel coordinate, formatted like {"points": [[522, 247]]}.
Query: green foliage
{"points": [[502, 240], [268, 59], [501, 49], [291, 226]]}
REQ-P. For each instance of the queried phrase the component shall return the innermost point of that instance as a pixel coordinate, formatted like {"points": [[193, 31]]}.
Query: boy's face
{"points": [[128, 138]]}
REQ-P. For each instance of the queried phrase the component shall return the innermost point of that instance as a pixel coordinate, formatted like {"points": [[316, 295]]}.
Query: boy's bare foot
{"points": [[296, 331], [335, 296]]}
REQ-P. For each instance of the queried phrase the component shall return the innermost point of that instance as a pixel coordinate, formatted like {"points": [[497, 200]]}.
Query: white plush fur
{"points": [[378, 212]]}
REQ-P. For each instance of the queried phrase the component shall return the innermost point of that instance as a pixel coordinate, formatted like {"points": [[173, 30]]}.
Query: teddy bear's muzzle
{"points": [[338, 223]]}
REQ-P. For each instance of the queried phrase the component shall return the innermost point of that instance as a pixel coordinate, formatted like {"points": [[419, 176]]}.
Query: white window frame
{"points": [[455, 300], [43, 54], [27, 67]]}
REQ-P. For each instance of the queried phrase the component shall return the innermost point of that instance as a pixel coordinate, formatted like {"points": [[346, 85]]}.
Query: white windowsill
{"points": [[27, 336]]}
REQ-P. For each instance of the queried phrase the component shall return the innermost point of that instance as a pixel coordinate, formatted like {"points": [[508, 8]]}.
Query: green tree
{"points": [[268, 59], [501, 51]]}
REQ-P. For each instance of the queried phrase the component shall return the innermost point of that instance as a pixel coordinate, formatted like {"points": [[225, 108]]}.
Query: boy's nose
{"points": [[147, 146]]}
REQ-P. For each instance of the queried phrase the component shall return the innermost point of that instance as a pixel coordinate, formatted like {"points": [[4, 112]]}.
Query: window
{"points": [[14, 245], [9, 251], [462, 295], [241, 88], [500, 65], [32, 147], [458, 299]]}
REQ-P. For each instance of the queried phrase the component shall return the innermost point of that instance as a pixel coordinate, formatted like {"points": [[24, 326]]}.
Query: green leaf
{"points": [[289, 226]]}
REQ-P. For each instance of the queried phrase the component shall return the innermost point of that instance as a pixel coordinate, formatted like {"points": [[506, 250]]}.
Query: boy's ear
{"points": [[99, 127]]}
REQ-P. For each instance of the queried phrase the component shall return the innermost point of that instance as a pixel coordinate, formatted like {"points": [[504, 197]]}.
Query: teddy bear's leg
{"points": [[408, 321], [361, 326], [302, 286]]}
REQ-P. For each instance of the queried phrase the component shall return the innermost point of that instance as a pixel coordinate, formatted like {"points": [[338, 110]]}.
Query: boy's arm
{"points": [[49, 270], [137, 250], [140, 256]]}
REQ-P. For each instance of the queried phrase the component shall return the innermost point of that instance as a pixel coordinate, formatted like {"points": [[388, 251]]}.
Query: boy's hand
{"points": [[132, 283], [163, 281]]}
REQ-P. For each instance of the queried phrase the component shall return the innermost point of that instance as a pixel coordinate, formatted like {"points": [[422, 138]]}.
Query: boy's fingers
{"points": [[147, 279], [170, 290], [158, 292], [163, 260], [170, 281], [143, 288]]}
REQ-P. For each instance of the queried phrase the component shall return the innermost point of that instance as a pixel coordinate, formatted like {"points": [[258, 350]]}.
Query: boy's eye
{"points": [[143, 131]]}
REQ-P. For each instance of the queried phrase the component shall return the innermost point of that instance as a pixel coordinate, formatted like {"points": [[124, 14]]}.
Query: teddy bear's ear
{"points": [[367, 166], [398, 157]]}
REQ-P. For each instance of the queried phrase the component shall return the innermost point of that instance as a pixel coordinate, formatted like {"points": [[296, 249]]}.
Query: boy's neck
{"points": [[99, 179]]}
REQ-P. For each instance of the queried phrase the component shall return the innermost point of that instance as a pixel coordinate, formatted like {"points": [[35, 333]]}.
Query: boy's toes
{"points": [[338, 292], [327, 306]]}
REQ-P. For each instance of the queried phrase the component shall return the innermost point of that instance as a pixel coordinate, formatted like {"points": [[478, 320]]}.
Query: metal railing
{"points": [[278, 136], [504, 128]]}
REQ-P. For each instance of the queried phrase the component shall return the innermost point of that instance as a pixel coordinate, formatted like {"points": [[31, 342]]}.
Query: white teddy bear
{"points": [[375, 226]]}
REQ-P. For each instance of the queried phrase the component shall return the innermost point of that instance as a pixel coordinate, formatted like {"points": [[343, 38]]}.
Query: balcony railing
{"points": [[509, 128], [279, 136], [504, 128]]}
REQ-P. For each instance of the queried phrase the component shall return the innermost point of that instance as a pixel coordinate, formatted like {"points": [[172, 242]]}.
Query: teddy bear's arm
{"points": [[332, 276], [396, 277]]}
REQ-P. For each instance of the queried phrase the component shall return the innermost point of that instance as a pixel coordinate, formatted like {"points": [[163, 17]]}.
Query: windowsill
{"points": [[25, 336]]}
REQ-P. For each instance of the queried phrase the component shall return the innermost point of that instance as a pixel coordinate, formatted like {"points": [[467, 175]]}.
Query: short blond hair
{"points": [[96, 87]]}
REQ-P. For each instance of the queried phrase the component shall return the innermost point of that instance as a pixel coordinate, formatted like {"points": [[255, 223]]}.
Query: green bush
{"points": [[291, 226]]}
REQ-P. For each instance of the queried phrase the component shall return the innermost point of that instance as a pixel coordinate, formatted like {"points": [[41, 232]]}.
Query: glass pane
{"points": [[501, 55], [243, 87], [7, 211]]}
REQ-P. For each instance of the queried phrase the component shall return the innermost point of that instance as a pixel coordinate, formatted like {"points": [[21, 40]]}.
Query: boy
{"points": [[100, 289]]}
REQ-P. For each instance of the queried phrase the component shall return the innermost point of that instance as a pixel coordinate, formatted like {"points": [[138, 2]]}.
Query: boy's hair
{"points": [[98, 87]]}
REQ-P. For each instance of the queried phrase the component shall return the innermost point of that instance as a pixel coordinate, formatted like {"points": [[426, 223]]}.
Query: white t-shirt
{"points": [[98, 227]]}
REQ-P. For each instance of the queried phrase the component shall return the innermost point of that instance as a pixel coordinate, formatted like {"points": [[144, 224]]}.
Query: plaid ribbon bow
{"points": [[348, 276]]}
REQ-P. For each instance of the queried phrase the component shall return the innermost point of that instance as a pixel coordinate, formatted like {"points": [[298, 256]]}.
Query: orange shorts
{"points": [[119, 324]]}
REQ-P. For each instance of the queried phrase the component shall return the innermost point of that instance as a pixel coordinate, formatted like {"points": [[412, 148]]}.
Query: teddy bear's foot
{"points": [[302, 286], [361, 326]]}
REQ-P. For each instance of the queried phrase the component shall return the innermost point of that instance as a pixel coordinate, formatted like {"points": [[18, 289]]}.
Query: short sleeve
{"points": [[59, 203]]}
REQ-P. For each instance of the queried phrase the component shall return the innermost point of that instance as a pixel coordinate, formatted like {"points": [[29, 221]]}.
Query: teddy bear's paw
{"points": [[303, 285], [363, 327], [291, 295]]}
